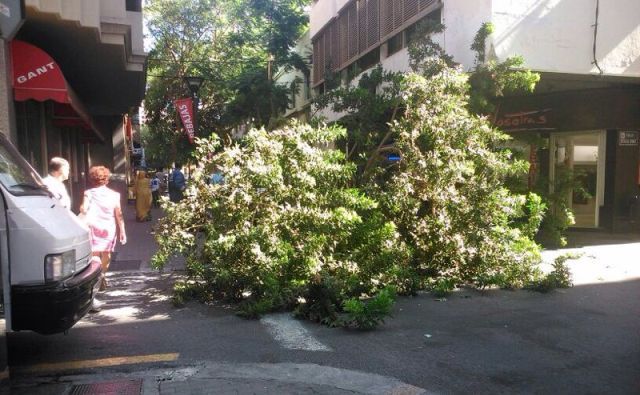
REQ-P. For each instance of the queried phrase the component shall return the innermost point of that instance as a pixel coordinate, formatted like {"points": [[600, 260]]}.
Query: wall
{"points": [[557, 35]]}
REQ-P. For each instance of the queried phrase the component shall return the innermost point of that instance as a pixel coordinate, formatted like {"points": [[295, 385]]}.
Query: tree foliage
{"points": [[283, 225], [231, 44]]}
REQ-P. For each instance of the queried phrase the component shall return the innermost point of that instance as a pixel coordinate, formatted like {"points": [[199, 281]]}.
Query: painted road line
{"points": [[94, 363], [291, 334]]}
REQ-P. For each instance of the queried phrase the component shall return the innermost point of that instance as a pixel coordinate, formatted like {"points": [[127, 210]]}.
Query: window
{"points": [[369, 60], [394, 44]]}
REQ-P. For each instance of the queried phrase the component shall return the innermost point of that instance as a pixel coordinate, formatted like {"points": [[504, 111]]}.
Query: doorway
{"points": [[577, 166]]}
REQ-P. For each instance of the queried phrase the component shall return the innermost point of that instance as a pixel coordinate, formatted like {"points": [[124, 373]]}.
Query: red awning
{"points": [[36, 76]]}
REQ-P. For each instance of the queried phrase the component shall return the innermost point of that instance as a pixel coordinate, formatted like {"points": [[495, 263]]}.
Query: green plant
{"points": [[284, 229], [442, 287], [368, 314], [559, 277]]}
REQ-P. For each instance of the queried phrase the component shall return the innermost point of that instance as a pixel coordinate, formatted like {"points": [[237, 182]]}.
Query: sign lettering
{"points": [[523, 120], [29, 75], [627, 137], [185, 111]]}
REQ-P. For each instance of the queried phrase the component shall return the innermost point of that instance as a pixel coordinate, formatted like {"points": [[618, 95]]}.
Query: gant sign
{"points": [[38, 71]]}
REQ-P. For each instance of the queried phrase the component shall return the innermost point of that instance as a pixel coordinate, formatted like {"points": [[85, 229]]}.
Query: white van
{"points": [[47, 277]]}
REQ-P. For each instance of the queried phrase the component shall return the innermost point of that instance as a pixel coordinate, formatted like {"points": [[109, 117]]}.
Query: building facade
{"points": [[585, 112], [73, 73]]}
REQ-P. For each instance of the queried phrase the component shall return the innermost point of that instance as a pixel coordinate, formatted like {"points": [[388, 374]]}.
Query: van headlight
{"points": [[59, 266]]}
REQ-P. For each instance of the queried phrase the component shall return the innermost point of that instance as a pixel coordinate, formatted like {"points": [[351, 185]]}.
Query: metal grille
{"points": [[123, 387]]}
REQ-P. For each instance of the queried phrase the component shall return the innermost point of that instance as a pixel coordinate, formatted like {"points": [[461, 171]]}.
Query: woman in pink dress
{"points": [[101, 207]]}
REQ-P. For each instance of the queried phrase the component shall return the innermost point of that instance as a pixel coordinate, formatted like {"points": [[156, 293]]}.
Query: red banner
{"points": [[185, 110]]}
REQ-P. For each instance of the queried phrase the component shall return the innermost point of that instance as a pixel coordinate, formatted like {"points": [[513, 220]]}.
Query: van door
{"points": [[5, 268]]}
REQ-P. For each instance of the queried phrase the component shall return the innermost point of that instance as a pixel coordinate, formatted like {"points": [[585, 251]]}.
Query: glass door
{"points": [[577, 168]]}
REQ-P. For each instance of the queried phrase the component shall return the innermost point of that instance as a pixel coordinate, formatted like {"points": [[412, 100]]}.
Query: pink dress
{"points": [[101, 217]]}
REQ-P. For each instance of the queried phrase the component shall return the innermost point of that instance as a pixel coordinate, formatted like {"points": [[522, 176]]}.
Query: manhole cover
{"points": [[125, 387], [120, 266]]}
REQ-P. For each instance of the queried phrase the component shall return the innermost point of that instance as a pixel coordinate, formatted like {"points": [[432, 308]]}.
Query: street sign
{"points": [[11, 18]]}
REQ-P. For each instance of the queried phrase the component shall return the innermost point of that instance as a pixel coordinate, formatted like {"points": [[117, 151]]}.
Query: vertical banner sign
{"points": [[185, 110]]}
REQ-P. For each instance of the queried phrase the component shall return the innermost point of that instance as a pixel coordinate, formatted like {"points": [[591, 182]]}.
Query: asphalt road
{"points": [[581, 340]]}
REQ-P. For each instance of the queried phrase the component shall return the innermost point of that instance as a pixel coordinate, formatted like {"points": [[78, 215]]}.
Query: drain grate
{"points": [[124, 387], [123, 266]]}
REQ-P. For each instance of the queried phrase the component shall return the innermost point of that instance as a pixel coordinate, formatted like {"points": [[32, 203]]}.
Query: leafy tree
{"points": [[284, 229], [231, 44]]}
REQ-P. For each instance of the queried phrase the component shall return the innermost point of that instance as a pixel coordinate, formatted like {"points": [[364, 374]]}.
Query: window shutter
{"points": [[411, 9], [352, 11], [316, 61], [386, 17], [343, 28], [373, 23], [362, 25], [398, 13], [426, 3], [333, 47]]}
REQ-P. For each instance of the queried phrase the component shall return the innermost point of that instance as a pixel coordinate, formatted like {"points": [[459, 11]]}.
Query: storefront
{"points": [[50, 119], [592, 135]]}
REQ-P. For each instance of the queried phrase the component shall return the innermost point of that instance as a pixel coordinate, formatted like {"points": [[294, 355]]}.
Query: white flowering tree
{"points": [[283, 225]]}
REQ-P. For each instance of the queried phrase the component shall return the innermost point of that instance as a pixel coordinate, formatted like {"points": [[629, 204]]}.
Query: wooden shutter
{"points": [[335, 49], [352, 11], [343, 37], [411, 9], [398, 14], [362, 25], [426, 3], [386, 17], [373, 23], [319, 58]]}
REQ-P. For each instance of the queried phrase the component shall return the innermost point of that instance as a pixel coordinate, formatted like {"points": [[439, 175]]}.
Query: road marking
{"points": [[291, 334], [95, 363]]}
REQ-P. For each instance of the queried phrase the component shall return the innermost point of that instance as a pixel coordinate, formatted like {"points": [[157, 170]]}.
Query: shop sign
{"points": [[627, 137], [185, 111], [524, 120]]}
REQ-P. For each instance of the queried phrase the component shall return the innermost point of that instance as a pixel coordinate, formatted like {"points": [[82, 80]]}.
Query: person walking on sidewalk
{"points": [[103, 214], [58, 173], [177, 184], [143, 197], [155, 190]]}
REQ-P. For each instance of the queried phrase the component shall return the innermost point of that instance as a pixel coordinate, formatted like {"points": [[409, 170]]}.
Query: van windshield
{"points": [[15, 173]]}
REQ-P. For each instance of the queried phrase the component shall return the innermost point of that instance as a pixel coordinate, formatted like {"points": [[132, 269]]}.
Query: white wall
{"points": [[557, 35], [322, 12], [462, 19]]}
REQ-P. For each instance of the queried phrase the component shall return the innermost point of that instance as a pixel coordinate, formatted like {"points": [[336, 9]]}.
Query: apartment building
{"points": [[586, 108], [72, 72]]}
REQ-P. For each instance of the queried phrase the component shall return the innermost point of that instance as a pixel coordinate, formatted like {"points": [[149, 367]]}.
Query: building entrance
{"points": [[577, 166]]}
